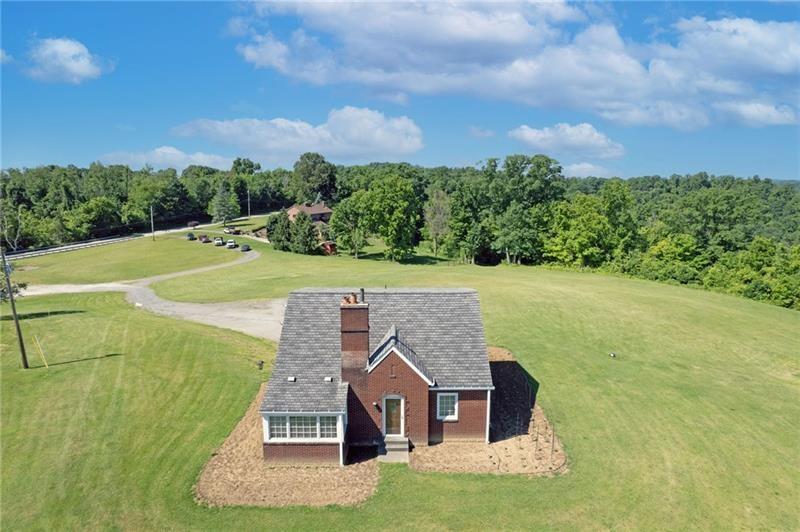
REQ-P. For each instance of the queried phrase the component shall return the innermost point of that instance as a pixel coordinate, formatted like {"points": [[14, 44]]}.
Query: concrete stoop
{"points": [[393, 449]]}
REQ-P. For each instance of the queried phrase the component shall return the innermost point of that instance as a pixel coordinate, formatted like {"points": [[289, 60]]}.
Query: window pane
{"points": [[327, 426], [303, 426], [277, 426], [447, 405]]}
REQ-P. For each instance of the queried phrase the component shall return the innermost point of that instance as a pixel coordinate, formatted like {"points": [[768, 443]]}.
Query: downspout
{"points": [[488, 410]]}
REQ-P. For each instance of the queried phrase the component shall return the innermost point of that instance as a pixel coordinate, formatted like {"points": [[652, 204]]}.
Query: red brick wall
{"points": [[288, 453], [471, 424], [392, 377]]}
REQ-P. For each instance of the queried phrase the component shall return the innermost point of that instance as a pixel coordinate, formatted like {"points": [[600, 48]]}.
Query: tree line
{"points": [[736, 235]]}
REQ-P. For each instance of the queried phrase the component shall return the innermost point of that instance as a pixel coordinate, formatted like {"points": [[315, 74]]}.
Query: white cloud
{"points": [[5, 57], [62, 60], [480, 133], [586, 170], [526, 53], [166, 157], [349, 133], [581, 139], [757, 113]]}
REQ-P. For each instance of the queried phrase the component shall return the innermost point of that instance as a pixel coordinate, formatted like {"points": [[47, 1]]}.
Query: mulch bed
{"points": [[238, 475], [523, 440]]}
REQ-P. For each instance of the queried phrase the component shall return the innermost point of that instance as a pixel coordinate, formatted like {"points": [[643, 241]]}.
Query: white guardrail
{"points": [[68, 247]]}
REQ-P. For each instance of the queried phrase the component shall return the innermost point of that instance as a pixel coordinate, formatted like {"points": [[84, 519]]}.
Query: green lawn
{"points": [[132, 259], [693, 425]]}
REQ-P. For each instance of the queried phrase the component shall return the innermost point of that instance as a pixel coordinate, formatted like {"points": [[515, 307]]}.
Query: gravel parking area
{"points": [[238, 475], [523, 440]]}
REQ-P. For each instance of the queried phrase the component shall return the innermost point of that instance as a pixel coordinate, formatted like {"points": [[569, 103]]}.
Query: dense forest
{"points": [[740, 236]]}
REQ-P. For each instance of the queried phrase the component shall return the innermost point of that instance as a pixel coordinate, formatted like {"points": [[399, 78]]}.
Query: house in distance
{"points": [[393, 368], [318, 212]]}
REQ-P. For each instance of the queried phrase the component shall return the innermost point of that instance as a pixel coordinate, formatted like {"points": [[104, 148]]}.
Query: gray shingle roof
{"points": [[441, 330], [391, 341]]}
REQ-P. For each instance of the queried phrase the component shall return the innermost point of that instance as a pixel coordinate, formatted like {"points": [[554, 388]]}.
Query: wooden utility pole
{"points": [[152, 226], [248, 203], [22, 352]]}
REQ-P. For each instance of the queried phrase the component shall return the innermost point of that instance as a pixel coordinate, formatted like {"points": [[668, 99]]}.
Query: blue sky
{"points": [[608, 89]]}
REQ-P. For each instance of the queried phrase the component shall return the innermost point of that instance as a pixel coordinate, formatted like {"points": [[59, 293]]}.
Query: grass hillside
{"points": [[693, 425], [132, 259]]}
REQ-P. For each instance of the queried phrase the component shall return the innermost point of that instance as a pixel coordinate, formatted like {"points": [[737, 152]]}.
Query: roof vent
{"points": [[328, 379], [291, 379]]}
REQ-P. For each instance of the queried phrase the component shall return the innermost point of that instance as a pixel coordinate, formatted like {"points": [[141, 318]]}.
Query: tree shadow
{"points": [[512, 401], [35, 315], [110, 355]]}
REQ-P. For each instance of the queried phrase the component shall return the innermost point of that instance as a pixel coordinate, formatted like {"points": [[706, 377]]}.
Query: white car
{"points": [[231, 244]]}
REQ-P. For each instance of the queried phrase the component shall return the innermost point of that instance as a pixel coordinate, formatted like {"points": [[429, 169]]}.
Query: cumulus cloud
{"points": [[62, 60], [586, 170], [758, 113], [349, 133], [562, 138], [5, 57], [527, 53], [166, 157]]}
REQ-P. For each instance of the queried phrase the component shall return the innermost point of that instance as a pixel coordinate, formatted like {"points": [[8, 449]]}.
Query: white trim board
{"points": [[404, 359]]}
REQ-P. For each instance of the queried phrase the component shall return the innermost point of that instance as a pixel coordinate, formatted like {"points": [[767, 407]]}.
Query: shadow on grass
{"points": [[513, 399], [34, 315], [110, 355], [422, 260]]}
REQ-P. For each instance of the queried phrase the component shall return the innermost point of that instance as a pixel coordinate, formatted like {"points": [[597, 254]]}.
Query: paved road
{"points": [[261, 318]]}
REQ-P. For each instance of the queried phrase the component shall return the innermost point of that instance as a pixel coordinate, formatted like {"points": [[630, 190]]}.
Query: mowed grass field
{"points": [[132, 259], [693, 425]]}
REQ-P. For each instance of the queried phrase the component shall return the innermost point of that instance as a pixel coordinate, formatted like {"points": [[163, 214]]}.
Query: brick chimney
{"points": [[355, 338]]}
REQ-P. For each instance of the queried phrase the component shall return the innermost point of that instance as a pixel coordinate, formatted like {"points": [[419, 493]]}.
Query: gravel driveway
{"points": [[260, 318]]}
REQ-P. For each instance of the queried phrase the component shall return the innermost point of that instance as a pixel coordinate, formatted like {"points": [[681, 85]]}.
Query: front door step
{"points": [[393, 449]]}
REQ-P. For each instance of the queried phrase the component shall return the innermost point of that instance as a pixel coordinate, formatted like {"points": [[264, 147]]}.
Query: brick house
{"points": [[396, 368], [319, 212]]}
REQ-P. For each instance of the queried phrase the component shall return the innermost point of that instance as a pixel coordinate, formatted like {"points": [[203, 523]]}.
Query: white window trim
{"points": [[454, 417], [288, 439], [402, 414]]}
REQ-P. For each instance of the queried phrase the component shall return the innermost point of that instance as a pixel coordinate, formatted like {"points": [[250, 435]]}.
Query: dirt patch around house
{"points": [[523, 440], [238, 475]]}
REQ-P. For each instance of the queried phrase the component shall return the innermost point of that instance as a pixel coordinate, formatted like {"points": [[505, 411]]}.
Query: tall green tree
{"points": [[224, 205], [515, 234], [280, 231], [350, 223], [437, 217], [242, 166], [304, 237], [395, 213], [581, 233], [312, 177], [620, 210]]}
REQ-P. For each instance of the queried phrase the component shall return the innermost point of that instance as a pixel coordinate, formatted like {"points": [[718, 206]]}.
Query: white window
{"points": [[447, 407], [327, 426], [277, 426], [303, 426]]}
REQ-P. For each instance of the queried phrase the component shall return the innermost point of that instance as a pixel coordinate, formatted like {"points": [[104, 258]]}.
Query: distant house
{"points": [[319, 212], [396, 368]]}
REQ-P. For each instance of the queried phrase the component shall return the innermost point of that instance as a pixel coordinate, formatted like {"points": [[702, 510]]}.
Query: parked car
{"points": [[231, 244], [245, 247], [190, 236], [193, 223], [204, 239], [218, 241], [231, 231]]}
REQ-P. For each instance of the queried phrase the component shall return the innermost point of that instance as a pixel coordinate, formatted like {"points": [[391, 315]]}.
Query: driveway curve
{"points": [[260, 318]]}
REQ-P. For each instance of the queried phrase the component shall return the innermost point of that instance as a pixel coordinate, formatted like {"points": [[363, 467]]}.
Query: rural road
{"points": [[260, 318]]}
